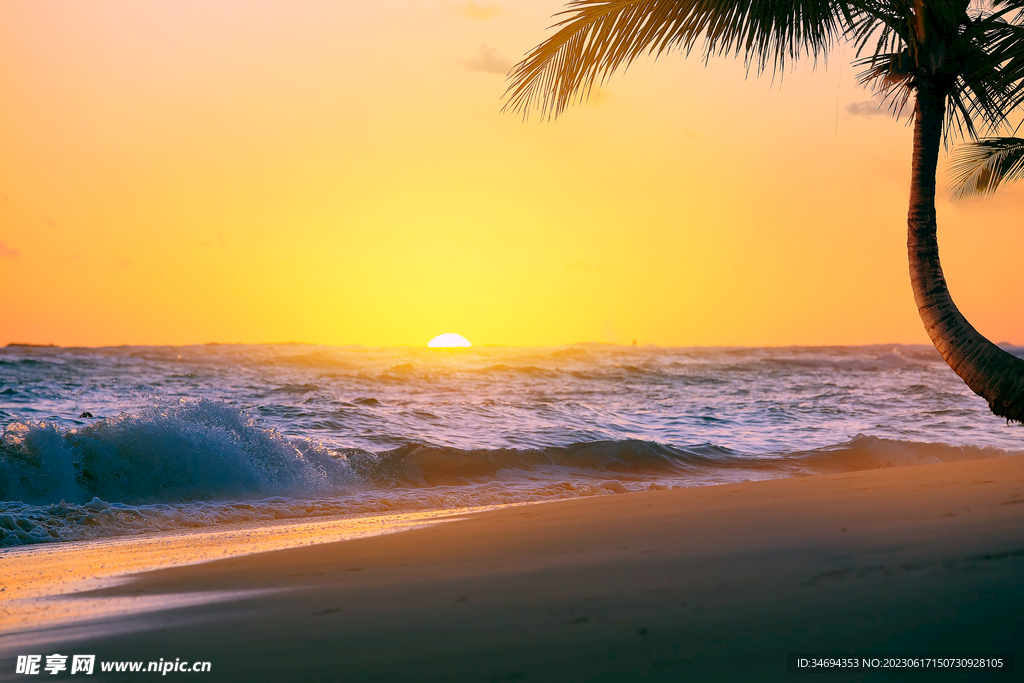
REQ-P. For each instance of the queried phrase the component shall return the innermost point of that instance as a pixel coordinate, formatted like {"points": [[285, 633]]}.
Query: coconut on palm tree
{"points": [[960, 61]]}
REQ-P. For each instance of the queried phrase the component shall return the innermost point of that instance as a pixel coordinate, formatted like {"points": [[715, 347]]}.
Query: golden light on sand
{"points": [[448, 340]]}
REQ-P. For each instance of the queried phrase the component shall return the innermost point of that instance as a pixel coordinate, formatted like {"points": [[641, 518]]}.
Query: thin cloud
{"points": [[865, 108], [488, 60], [8, 252], [471, 10]]}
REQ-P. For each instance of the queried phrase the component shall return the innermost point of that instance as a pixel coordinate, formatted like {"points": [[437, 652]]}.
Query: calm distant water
{"points": [[185, 437]]}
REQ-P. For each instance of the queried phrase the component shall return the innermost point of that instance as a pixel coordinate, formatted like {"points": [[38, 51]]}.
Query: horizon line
{"points": [[29, 345]]}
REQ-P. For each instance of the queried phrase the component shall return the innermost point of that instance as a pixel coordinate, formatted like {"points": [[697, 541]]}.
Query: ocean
{"points": [[105, 442]]}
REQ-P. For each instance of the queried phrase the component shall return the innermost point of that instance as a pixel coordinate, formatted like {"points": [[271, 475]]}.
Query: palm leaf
{"points": [[979, 168], [970, 60], [1007, 48], [1006, 7], [599, 36]]}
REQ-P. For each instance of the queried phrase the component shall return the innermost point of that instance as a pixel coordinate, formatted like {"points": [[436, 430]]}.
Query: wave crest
{"points": [[191, 450], [199, 463]]}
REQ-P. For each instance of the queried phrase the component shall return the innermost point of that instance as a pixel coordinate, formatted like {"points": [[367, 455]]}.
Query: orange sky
{"points": [[188, 171]]}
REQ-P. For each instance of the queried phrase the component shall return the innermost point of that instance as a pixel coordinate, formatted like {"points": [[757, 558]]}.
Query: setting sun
{"points": [[448, 340]]}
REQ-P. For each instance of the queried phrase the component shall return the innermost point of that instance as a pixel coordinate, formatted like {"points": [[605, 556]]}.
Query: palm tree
{"points": [[961, 61]]}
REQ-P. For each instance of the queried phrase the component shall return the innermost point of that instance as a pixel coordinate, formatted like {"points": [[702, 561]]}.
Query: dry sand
{"points": [[714, 583]]}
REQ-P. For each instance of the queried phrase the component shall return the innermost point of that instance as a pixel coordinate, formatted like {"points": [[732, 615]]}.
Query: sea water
{"points": [[100, 442]]}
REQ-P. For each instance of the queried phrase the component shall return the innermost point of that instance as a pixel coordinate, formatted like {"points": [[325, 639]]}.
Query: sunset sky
{"points": [[188, 171]]}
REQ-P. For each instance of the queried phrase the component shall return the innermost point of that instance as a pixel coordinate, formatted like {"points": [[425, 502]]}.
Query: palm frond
{"points": [[599, 36], [987, 73], [965, 53], [1007, 48], [969, 48], [1007, 7], [889, 74], [882, 22], [979, 168]]}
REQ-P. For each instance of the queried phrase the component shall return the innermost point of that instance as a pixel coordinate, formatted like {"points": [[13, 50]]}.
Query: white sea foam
{"points": [[294, 432]]}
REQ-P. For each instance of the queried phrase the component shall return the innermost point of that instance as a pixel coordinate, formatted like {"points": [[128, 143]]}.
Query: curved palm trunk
{"points": [[990, 372]]}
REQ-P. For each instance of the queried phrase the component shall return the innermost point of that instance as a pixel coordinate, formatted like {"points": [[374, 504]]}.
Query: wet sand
{"points": [[714, 583], [48, 584]]}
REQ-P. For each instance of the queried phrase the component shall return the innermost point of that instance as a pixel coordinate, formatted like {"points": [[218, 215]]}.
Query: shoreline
{"points": [[39, 586], [718, 582]]}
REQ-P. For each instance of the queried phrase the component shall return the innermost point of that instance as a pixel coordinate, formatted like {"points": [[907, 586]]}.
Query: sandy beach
{"points": [[711, 583]]}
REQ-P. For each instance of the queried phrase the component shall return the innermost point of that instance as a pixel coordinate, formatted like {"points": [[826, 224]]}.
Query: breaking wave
{"points": [[191, 450], [198, 463]]}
